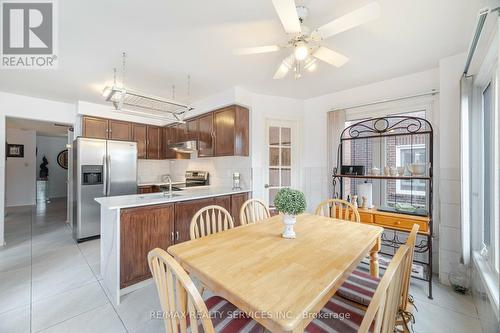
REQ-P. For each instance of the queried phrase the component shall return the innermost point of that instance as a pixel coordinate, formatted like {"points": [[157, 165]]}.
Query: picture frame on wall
{"points": [[15, 150]]}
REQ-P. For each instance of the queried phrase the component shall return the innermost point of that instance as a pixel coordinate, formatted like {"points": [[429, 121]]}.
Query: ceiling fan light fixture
{"points": [[301, 52]]}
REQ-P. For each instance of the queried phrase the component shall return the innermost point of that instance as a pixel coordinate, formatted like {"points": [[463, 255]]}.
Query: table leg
{"points": [[374, 258]]}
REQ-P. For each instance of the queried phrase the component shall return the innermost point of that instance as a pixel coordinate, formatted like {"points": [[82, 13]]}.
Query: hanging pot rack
{"points": [[143, 104]]}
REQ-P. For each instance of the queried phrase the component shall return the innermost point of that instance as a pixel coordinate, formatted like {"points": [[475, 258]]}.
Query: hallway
{"points": [[48, 283]]}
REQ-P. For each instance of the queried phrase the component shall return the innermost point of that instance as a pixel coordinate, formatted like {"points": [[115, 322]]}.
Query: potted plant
{"points": [[290, 203]]}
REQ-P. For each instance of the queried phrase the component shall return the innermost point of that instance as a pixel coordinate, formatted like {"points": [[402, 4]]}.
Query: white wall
{"points": [[450, 71], [20, 183], [50, 147], [19, 106]]}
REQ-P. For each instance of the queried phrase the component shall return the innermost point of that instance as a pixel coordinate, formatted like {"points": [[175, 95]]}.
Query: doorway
{"points": [[37, 162]]}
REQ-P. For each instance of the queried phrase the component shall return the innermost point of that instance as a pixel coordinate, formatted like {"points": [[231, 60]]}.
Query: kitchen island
{"points": [[132, 225]]}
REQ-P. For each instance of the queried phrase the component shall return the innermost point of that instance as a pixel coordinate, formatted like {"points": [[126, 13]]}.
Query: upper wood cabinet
{"points": [[100, 128], [223, 132], [119, 130], [154, 142], [139, 135], [206, 135], [231, 127], [96, 128]]}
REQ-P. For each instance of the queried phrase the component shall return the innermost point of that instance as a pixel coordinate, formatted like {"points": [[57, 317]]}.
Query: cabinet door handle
{"points": [[176, 235], [172, 236]]}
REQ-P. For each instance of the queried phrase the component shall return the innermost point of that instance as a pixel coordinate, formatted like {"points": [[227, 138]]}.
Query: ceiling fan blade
{"points": [[360, 16], [287, 12], [284, 67], [330, 56], [256, 50]]}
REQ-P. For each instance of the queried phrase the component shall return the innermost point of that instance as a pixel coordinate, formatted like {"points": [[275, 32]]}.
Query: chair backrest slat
{"points": [[383, 308], [210, 220], [338, 209], [179, 298], [253, 211], [410, 242]]}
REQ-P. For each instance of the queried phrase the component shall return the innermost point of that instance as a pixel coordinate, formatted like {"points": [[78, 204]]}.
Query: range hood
{"points": [[187, 147]]}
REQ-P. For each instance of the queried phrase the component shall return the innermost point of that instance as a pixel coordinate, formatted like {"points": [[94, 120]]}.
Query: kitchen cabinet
{"points": [[184, 212], [231, 128], [154, 142], [100, 128], [169, 139], [237, 201], [224, 201], [96, 128], [141, 230], [139, 135], [206, 135], [119, 130], [148, 189]]}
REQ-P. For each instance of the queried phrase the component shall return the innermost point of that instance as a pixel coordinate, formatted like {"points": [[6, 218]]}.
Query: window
{"points": [[405, 155], [487, 159]]}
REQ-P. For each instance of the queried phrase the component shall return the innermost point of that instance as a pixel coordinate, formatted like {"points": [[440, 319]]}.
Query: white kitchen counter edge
{"points": [[138, 200]]}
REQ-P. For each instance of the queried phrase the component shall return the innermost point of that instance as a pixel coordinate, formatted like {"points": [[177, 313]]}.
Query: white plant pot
{"points": [[289, 221]]}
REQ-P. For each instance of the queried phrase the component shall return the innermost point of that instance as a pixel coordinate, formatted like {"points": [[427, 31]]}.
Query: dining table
{"points": [[281, 283]]}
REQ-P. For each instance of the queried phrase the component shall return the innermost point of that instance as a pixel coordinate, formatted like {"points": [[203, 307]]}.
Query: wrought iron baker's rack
{"points": [[394, 126]]}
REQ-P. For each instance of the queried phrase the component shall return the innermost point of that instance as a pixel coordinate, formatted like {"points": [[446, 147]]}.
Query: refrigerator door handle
{"points": [[105, 175], [108, 176]]}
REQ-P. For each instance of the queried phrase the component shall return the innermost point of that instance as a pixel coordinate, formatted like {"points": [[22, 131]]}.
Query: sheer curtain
{"points": [[335, 126]]}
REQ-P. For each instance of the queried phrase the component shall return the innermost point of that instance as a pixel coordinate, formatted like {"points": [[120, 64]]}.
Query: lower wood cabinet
{"points": [[237, 201], [184, 212], [143, 229]]}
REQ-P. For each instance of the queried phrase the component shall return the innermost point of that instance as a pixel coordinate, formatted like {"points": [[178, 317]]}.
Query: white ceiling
{"points": [[165, 40], [43, 128]]}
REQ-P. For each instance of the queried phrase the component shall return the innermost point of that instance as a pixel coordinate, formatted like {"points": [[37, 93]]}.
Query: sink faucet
{"points": [[169, 180]]}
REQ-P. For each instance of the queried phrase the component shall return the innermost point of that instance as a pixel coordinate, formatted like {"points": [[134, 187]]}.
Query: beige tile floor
{"points": [[48, 283]]}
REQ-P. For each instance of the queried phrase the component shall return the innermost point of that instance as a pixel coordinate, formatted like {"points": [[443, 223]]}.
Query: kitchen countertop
{"points": [[161, 183], [137, 200]]}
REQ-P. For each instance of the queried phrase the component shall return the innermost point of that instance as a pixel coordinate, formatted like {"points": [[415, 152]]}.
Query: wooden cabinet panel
{"points": [[224, 131], [192, 130], [402, 223], [119, 130], [142, 229], [231, 127], [206, 135], [154, 143], [184, 212], [225, 202], [168, 139], [144, 189], [139, 135], [237, 201], [96, 128]]}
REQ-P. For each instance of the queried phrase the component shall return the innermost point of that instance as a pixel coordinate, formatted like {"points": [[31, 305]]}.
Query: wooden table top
{"points": [[277, 280]]}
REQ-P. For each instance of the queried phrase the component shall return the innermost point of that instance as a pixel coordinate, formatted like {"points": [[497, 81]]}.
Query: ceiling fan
{"points": [[305, 44]]}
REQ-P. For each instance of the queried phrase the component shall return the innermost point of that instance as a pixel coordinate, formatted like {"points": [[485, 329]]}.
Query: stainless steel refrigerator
{"points": [[100, 168]]}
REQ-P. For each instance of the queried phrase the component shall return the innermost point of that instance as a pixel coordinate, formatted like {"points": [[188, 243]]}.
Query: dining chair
{"points": [[338, 209], [182, 304], [360, 286], [338, 315], [210, 220], [253, 210]]}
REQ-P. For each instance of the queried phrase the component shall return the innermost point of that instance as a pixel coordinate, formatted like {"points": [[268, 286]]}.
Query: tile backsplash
{"points": [[152, 170], [221, 169]]}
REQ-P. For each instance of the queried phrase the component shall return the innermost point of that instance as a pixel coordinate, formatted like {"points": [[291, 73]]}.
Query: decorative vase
{"points": [[289, 221]]}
